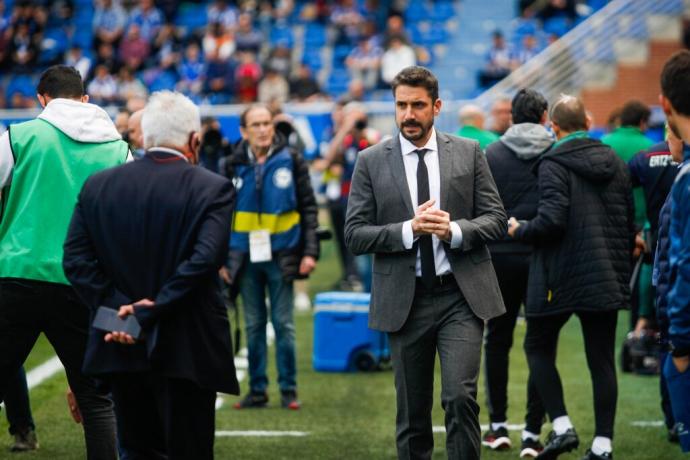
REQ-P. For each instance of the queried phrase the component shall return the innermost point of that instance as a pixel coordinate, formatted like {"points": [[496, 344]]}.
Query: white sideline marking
{"points": [[256, 433], [639, 424], [43, 372], [648, 423]]}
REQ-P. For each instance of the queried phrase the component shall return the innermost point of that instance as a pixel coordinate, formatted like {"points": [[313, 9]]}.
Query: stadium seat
{"points": [[559, 26], [314, 35], [312, 58], [191, 16], [282, 35], [164, 81], [416, 11], [337, 83], [441, 11], [22, 84], [53, 45]]}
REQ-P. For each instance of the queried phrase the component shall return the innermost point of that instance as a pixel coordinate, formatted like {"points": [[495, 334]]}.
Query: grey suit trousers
{"points": [[441, 320]]}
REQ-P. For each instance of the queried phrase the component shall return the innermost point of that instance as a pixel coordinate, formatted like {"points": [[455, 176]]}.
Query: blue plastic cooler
{"points": [[342, 340]]}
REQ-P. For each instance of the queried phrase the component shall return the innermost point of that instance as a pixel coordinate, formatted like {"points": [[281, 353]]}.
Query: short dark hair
{"points": [[528, 106], [417, 76], [569, 114], [675, 81], [61, 81], [255, 106], [634, 113]]}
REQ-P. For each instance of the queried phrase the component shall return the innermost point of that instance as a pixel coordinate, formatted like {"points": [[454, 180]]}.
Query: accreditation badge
{"points": [[260, 246]]}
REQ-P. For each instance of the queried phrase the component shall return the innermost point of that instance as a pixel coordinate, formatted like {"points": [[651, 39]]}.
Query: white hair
{"points": [[469, 114], [169, 117]]}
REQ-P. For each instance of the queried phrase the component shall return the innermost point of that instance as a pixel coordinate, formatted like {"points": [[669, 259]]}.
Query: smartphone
{"points": [[107, 320]]}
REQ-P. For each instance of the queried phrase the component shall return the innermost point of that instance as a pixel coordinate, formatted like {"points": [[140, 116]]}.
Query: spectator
{"points": [[105, 55], [218, 43], [364, 63], [512, 161], [498, 62], [583, 236], [109, 22], [501, 115], [247, 78], [166, 48], [527, 51], [280, 59], [675, 101], [148, 18], [220, 11], [273, 87], [397, 56], [347, 19], [75, 58], [136, 134], [356, 90], [247, 38], [103, 88], [304, 87], [134, 49], [219, 85], [290, 247], [191, 71], [129, 86], [121, 122], [23, 49], [472, 126]]}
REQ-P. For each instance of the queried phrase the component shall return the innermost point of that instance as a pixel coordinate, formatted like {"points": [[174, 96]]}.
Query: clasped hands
{"points": [[125, 311], [430, 221]]}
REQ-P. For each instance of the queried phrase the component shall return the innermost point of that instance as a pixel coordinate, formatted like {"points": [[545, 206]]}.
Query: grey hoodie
{"points": [[81, 122], [527, 140]]}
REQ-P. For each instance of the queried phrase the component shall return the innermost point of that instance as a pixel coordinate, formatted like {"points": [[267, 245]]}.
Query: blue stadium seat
{"points": [[165, 80], [282, 35], [559, 26], [312, 58], [340, 52], [433, 35], [314, 35], [191, 16], [83, 36], [441, 11], [337, 83], [22, 84], [53, 45], [416, 11]]}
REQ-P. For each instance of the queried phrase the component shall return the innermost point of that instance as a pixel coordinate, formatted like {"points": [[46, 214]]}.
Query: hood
{"points": [[527, 140], [79, 121], [239, 151], [588, 158]]}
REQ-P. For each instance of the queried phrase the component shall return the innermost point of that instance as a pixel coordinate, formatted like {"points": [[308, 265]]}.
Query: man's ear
{"points": [[85, 98], [42, 100], [588, 121], [437, 107], [665, 105]]}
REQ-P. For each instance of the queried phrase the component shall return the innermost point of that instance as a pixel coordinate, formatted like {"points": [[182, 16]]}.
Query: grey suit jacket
{"points": [[380, 202]]}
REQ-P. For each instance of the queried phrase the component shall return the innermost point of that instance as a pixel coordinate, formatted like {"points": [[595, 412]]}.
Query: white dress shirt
{"points": [[411, 159]]}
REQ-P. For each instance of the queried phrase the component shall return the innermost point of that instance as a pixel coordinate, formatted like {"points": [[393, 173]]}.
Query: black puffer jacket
{"points": [[662, 269], [288, 260], [512, 160], [583, 233]]}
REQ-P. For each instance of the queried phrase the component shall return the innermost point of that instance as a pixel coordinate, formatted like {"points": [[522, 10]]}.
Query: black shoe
{"points": [[556, 444], [252, 401], [496, 439], [592, 456], [673, 434], [530, 448], [288, 399], [25, 440]]}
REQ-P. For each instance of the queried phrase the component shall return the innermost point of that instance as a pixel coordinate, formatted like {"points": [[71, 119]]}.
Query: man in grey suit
{"points": [[427, 223]]}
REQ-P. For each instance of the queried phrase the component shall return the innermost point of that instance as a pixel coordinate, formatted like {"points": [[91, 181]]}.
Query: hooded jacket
{"points": [[512, 160], [583, 233], [43, 165]]}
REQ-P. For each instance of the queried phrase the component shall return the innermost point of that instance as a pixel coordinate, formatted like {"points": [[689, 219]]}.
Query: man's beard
{"points": [[423, 130]]}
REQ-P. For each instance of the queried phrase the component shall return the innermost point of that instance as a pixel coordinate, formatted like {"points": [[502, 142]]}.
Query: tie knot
{"points": [[420, 153]]}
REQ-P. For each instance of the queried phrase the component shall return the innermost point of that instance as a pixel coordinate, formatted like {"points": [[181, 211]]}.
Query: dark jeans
{"points": [[28, 308], [337, 210], [440, 320], [17, 405], [511, 271], [599, 330], [163, 418], [665, 397]]}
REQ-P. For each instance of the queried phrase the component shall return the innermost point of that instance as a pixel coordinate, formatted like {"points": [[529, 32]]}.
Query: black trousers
{"points": [[17, 404], [599, 331], [163, 418], [511, 271], [441, 320], [28, 308], [337, 209]]}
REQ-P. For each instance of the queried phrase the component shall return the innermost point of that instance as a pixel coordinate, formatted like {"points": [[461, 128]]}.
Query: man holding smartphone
{"points": [[147, 239]]}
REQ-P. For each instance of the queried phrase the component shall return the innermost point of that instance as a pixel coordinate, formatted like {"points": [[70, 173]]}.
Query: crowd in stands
{"points": [[221, 51]]}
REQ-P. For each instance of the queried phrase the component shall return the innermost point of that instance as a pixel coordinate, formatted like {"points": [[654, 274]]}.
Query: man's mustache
{"points": [[407, 124]]}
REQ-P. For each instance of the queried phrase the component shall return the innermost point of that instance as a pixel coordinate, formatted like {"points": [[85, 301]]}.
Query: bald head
{"points": [[568, 115], [472, 115], [136, 135]]}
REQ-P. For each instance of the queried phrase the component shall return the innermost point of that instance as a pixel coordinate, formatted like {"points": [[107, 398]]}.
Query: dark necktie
{"points": [[426, 246]]}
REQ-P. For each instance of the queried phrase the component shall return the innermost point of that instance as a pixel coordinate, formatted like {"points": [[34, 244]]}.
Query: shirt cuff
{"points": [[456, 235], [407, 235]]}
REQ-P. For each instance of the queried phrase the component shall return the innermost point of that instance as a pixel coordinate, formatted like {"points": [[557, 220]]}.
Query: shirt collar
{"points": [[408, 147], [170, 151]]}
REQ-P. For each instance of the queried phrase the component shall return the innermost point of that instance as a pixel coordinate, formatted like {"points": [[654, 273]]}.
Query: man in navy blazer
{"points": [[147, 239]]}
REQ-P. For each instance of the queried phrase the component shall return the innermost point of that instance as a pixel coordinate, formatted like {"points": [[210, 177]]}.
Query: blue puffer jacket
{"points": [[662, 269], [679, 259]]}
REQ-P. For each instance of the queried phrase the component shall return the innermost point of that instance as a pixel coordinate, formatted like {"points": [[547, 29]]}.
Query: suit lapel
{"points": [[445, 164], [395, 160]]}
